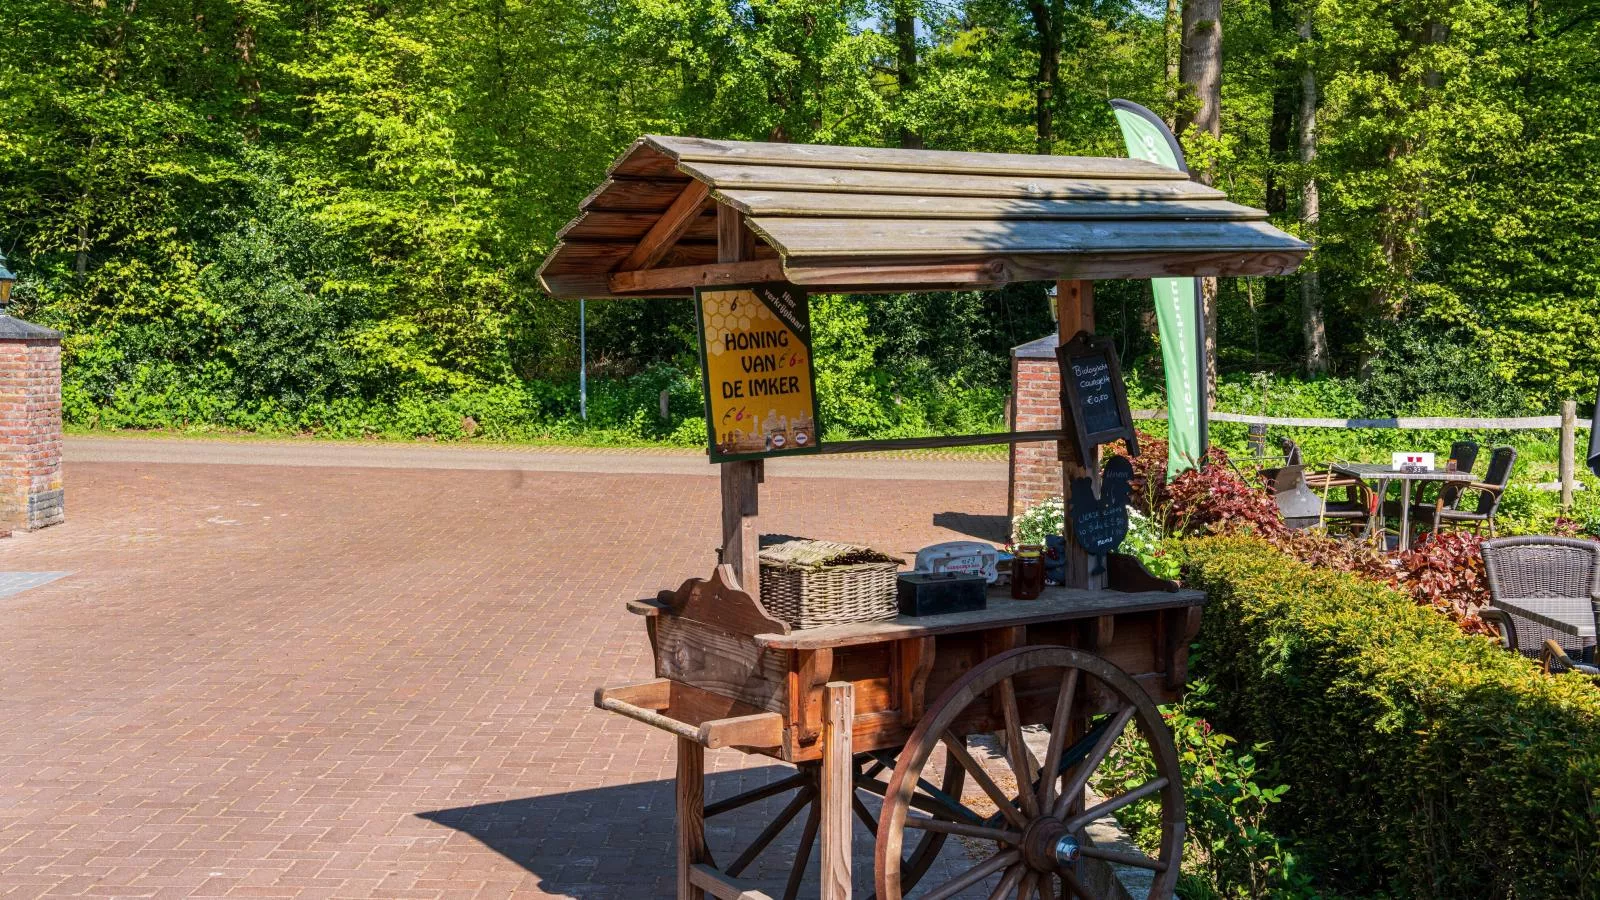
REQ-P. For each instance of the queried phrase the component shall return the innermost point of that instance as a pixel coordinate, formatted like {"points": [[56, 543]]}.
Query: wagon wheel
{"points": [[805, 785], [1038, 835]]}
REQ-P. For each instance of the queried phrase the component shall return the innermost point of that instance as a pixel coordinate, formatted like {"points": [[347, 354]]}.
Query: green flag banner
{"points": [[1178, 313]]}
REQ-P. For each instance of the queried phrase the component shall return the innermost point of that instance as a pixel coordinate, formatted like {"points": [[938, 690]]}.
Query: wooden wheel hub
{"points": [[1041, 844]]}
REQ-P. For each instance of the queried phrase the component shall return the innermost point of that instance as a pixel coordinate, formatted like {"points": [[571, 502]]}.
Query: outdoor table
{"points": [[1382, 475], [1568, 615]]}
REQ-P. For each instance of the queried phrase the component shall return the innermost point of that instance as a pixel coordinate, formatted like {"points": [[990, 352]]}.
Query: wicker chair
{"points": [[1446, 511], [1465, 453], [1527, 569]]}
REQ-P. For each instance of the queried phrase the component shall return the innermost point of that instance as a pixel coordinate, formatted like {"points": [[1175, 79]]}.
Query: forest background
{"points": [[325, 216]]}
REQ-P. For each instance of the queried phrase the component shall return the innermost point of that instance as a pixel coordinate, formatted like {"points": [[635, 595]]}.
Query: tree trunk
{"points": [[1200, 70], [1279, 131], [1173, 43], [905, 43], [1311, 323], [1047, 22]]}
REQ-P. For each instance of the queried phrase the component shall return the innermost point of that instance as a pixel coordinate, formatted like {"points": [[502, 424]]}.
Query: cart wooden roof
{"points": [[864, 219]]}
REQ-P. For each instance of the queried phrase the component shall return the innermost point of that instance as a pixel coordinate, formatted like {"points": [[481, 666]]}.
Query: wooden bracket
{"points": [[1182, 627], [913, 665], [812, 670]]}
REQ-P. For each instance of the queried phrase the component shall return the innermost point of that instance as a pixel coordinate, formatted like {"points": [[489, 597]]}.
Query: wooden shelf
{"points": [[1054, 605]]}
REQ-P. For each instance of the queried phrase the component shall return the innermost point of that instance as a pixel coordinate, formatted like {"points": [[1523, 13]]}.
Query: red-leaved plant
{"points": [[1443, 572]]}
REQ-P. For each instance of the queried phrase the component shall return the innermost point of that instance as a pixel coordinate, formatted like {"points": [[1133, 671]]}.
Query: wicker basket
{"points": [[812, 583]]}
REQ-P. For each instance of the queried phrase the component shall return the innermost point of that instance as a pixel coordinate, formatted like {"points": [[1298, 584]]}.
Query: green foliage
{"points": [[1420, 761], [279, 213], [1229, 852]]}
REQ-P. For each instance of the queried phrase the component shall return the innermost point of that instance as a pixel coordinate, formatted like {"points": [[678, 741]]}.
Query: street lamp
{"points": [[7, 279]]}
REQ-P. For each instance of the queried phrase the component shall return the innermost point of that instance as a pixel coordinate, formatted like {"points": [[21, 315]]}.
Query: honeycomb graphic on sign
{"points": [[757, 355], [731, 312]]}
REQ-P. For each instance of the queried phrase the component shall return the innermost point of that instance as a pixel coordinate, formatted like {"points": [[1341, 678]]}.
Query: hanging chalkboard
{"points": [[1100, 522], [1094, 395]]}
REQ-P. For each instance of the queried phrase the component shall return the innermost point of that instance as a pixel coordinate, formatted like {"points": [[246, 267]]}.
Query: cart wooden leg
{"points": [[838, 788], [691, 815]]}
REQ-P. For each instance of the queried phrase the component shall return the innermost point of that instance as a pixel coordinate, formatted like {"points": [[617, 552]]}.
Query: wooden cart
{"points": [[903, 709]]}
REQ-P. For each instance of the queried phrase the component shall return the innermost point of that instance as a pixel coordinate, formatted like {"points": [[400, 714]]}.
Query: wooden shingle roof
{"points": [[876, 219]]}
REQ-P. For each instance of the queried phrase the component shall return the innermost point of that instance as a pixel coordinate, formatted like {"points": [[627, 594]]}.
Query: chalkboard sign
{"points": [[1093, 394], [1099, 523]]}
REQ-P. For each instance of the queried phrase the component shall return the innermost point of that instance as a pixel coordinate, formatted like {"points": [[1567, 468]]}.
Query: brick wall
{"points": [[30, 428], [1035, 406]]}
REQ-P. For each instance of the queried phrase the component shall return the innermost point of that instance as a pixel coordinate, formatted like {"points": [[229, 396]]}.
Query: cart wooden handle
{"points": [[645, 701]]}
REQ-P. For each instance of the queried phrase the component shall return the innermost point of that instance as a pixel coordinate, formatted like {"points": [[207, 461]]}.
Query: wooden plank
{"points": [[690, 815], [838, 787], [594, 258], [846, 273], [683, 212], [1515, 423], [723, 663], [1054, 604], [653, 694], [760, 731], [631, 226], [634, 194], [949, 440], [914, 663], [812, 669], [722, 176], [694, 149], [764, 203], [643, 160], [798, 238], [686, 278], [724, 887]]}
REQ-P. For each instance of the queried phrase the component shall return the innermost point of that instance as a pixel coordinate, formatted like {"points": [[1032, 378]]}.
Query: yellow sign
{"points": [[755, 350]]}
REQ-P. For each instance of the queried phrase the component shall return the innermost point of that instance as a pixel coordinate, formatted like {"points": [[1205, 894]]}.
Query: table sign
{"points": [[1100, 521], [1093, 391], [755, 351]]}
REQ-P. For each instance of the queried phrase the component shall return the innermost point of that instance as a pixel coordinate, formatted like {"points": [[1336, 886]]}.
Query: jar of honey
{"points": [[1027, 572]]}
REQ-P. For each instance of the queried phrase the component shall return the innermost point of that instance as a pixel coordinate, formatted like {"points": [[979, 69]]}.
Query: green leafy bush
{"points": [[1229, 851], [1421, 762]]}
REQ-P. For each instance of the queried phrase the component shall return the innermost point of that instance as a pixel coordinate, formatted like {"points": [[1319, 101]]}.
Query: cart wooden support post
{"points": [[1075, 313], [838, 788], [690, 815], [741, 481]]}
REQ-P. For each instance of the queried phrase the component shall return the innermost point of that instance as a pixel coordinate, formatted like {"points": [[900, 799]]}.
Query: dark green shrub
{"points": [[1421, 762]]}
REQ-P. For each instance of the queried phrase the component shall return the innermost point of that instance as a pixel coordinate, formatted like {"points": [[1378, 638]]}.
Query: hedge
{"points": [[1422, 762]]}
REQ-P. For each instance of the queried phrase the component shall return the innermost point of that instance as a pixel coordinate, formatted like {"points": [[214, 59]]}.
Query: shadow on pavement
{"points": [[995, 529], [618, 842]]}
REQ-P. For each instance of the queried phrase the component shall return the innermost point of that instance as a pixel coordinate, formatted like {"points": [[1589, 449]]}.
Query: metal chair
{"points": [[1528, 569], [1439, 514]]}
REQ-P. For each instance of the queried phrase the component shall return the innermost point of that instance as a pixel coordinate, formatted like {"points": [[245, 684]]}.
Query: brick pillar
{"points": [[30, 426], [1035, 406]]}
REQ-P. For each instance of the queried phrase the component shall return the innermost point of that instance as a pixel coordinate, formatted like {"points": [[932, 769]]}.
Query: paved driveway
{"points": [[307, 680]]}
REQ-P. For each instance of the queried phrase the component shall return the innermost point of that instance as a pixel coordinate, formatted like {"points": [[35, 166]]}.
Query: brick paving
{"points": [[275, 681]]}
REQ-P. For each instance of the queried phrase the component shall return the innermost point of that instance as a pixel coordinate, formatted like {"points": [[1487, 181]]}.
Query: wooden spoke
{"points": [[958, 749], [760, 793], [1022, 762], [802, 853], [1137, 860], [773, 829], [1009, 883], [1080, 778], [998, 835], [1060, 724], [933, 806], [1073, 885], [864, 814], [1115, 803], [974, 875], [1029, 886]]}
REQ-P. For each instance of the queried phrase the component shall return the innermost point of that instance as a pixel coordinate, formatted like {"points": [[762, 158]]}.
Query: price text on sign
{"points": [[1093, 393], [755, 349]]}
